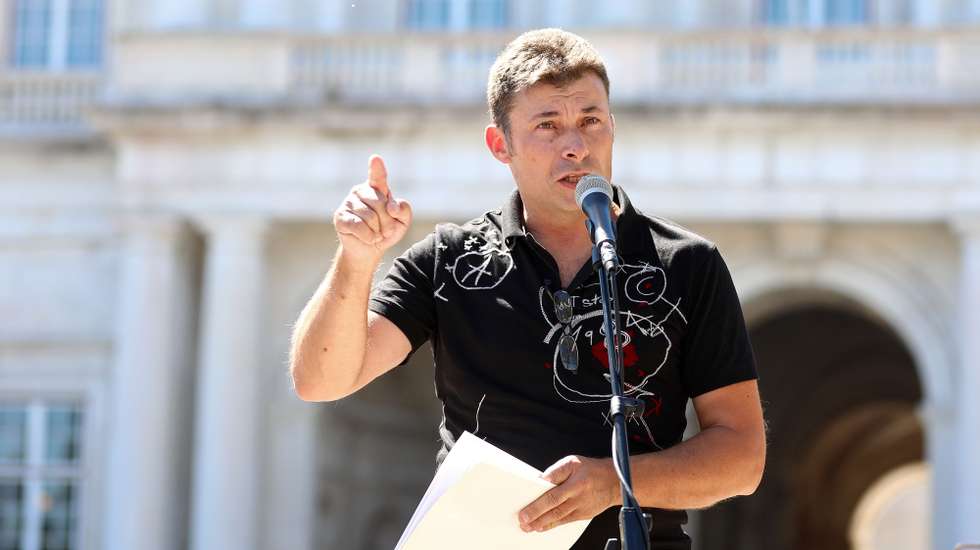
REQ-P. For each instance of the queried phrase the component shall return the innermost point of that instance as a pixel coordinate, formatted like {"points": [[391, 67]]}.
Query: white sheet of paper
{"points": [[473, 502]]}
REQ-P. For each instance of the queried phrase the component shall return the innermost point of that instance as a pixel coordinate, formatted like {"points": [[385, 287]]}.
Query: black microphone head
{"points": [[593, 183]]}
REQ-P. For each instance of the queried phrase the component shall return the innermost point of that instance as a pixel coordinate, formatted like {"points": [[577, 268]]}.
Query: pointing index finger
{"points": [[378, 175]]}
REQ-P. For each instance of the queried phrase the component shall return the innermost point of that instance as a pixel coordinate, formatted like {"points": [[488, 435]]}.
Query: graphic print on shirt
{"points": [[645, 286], [486, 262]]}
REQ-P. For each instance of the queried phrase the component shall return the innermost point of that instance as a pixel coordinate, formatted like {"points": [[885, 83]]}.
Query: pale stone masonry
{"points": [[156, 244]]}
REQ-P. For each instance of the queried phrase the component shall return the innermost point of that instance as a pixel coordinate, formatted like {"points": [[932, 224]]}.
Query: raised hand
{"points": [[371, 220]]}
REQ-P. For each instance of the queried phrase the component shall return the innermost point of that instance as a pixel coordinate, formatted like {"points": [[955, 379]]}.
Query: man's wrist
{"points": [[613, 487], [357, 264]]}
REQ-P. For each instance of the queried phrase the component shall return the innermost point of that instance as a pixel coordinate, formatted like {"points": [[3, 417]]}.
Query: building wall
{"points": [[58, 273], [210, 127]]}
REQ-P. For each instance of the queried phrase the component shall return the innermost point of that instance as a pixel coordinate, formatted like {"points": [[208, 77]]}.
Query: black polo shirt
{"points": [[483, 294]]}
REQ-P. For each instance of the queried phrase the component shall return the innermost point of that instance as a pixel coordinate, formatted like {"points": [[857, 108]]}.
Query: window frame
{"points": [[58, 37], [810, 14], [459, 17], [57, 386]]}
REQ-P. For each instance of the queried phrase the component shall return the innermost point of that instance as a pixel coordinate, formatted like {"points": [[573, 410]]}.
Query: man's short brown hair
{"points": [[551, 56]]}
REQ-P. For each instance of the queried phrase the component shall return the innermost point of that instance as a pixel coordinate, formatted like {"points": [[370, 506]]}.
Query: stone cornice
{"points": [[220, 115], [215, 114]]}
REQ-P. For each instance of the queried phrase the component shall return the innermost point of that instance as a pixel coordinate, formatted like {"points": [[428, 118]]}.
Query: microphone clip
{"points": [[603, 253]]}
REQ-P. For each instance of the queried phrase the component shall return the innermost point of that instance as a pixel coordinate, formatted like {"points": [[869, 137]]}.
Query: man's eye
{"points": [[592, 121], [547, 125]]}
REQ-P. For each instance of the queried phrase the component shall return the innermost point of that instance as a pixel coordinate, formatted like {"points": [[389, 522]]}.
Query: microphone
{"points": [[594, 196]]}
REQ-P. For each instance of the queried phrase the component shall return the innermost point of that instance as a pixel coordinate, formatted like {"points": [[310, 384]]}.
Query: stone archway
{"points": [[841, 392]]}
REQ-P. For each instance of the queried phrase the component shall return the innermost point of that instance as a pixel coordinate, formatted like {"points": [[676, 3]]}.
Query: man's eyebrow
{"points": [[549, 114], [546, 114]]}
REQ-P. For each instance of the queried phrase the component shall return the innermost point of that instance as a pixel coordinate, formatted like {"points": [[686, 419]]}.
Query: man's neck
{"points": [[568, 230]]}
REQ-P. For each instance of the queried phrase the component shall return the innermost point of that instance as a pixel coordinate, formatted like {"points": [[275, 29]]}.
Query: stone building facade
{"points": [[167, 175]]}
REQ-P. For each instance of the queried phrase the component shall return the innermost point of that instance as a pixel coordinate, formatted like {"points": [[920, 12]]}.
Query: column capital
{"points": [[156, 223], [220, 225], [966, 225], [152, 232]]}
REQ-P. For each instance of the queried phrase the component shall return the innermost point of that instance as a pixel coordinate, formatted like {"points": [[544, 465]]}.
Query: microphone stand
{"points": [[634, 524]]}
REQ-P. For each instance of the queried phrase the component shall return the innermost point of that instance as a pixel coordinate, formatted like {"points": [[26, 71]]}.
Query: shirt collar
{"points": [[631, 233]]}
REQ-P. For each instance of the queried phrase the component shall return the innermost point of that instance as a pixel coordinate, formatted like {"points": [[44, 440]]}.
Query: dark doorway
{"points": [[840, 392]]}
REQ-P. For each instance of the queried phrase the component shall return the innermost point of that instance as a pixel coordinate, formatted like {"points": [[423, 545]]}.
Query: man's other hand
{"points": [[585, 488]]}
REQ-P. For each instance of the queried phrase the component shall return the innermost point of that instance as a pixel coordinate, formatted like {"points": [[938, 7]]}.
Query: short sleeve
{"points": [[717, 351], [405, 295]]}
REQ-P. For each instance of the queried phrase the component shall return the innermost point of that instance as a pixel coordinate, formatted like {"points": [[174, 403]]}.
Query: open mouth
{"points": [[572, 179]]}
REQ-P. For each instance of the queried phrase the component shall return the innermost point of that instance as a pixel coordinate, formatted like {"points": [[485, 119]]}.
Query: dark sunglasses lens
{"points": [[568, 351], [563, 306]]}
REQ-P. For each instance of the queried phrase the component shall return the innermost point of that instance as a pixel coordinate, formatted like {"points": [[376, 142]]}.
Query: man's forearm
{"points": [[330, 335], [715, 464]]}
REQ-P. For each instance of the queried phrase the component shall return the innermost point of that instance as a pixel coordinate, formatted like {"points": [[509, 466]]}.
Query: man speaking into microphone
{"points": [[510, 302]]}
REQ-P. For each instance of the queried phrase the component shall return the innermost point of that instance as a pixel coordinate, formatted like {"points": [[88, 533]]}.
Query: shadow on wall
{"points": [[377, 455]]}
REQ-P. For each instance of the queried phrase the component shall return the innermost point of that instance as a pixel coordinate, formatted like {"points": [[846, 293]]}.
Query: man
{"points": [[510, 303]]}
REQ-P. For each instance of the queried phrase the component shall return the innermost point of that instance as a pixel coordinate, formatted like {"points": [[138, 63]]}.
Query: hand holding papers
{"points": [[473, 502]]}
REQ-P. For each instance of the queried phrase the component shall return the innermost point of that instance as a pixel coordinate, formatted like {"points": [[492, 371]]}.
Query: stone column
{"points": [[939, 420], [6, 33], [151, 388], [968, 384], [226, 449]]}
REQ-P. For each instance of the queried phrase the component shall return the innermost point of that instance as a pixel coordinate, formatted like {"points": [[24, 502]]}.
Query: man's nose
{"points": [[574, 147]]}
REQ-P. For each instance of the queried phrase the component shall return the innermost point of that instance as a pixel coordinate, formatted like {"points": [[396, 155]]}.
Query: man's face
{"points": [[557, 135]]}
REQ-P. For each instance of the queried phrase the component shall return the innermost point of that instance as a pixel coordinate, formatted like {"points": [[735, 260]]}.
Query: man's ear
{"points": [[497, 143], [612, 122]]}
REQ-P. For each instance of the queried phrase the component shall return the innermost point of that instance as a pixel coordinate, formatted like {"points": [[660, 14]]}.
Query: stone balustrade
{"points": [[783, 66]]}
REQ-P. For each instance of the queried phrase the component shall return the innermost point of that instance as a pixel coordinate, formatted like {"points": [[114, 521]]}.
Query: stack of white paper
{"points": [[473, 502]]}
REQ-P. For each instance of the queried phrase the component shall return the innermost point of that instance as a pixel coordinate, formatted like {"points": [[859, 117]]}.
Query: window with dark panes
{"points": [[488, 14], [817, 12], [57, 34], [427, 14], [85, 33], [32, 38], [459, 15], [40, 475], [845, 12]]}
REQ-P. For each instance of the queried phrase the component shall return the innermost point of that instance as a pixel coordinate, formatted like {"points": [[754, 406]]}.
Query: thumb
{"points": [[559, 472], [400, 209]]}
